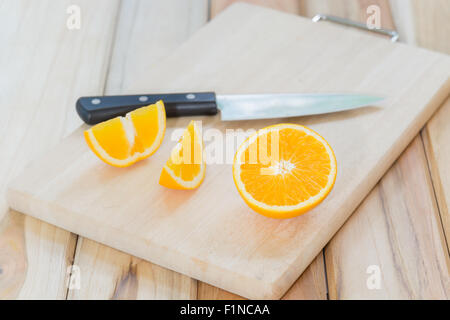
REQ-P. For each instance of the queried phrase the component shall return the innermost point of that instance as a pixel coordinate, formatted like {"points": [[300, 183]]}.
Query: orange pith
{"points": [[185, 168], [284, 170], [123, 141]]}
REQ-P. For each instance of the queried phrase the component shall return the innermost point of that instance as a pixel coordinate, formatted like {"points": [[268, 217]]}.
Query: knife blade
{"points": [[96, 109]]}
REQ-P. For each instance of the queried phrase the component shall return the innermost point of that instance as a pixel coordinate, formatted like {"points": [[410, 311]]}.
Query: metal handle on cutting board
{"points": [[391, 33]]}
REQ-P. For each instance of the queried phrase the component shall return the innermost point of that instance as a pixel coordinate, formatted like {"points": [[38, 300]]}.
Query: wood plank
{"points": [[45, 66], [146, 32], [149, 31], [167, 227], [397, 230], [340, 8], [423, 23], [311, 284], [347, 271], [106, 273], [209, 292], [431, 24], [404, 20], [428, 27], [436, 136], [290, 6], [34, 258]]}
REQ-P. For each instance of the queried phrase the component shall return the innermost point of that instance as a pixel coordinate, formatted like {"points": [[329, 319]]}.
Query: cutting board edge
{"points": [[219, 277], [192, 267]]}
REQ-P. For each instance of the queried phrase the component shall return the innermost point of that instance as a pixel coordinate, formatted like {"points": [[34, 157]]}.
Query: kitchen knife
{"points": [[232, 107]]}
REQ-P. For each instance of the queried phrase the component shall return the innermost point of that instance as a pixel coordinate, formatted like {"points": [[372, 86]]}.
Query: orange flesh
{"points": [[112, 137], [186, 162], [142, 119], [300, 172]]}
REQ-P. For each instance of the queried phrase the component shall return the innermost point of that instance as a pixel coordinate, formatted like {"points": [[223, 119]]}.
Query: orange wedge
{"points": [[123, 141], [284, 170], [185, 168]]}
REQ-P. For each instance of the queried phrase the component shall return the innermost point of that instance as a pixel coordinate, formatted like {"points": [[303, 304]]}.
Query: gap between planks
{"points": [[434, 173]]}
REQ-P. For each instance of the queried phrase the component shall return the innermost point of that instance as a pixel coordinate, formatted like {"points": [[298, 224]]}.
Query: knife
{"points": [[96, 109]]}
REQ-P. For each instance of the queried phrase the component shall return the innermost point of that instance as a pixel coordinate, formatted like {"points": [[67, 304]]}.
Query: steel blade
{"points": [[265, 106]]}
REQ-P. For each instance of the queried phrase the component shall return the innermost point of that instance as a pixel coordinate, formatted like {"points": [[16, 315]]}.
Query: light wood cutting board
{"points": [[210, 234]]}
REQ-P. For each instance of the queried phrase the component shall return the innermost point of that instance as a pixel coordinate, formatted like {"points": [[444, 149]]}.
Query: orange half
{"points": [[284, 170], [123, 141], [185, 168]]}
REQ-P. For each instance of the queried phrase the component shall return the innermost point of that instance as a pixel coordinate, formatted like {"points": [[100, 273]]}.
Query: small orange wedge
{"points": [[284, 170], [185, 168], [123, 141]]}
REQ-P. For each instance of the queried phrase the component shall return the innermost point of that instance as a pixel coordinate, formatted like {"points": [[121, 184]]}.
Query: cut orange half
{"points": [[185, 168], [123, 141], [284, 170]]}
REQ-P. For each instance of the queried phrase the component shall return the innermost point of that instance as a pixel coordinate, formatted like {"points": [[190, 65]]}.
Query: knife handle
{"points": [[93, 110]]}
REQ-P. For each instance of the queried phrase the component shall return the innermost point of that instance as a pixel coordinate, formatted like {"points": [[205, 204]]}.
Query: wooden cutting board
{"points": [[210, 234]]}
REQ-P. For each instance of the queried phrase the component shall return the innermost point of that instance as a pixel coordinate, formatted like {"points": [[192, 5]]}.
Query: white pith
{"points": [[188, 184], [283, 208], [130, 133], [281, 167]]}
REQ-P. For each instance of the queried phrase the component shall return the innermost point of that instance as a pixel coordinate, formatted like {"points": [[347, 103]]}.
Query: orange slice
{"points": [[284, 170], [123, 141], [185, 168]]}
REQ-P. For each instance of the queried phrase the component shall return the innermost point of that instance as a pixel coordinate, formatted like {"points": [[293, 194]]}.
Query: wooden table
{"points": [[401, 229]]}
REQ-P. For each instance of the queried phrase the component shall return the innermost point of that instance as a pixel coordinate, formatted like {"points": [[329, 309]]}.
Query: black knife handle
{"points": [[93, 110]]}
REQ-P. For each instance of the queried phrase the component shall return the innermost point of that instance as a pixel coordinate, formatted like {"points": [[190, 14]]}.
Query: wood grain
{"points": [[13, 260], [290, 6], [168, 228], [45, 67], [431, 24], [423, 23], [312, 284], [110, 274], [429, 28], [34, 258], [403, 15], [400, 234], [436, 136], [146, 32]]}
